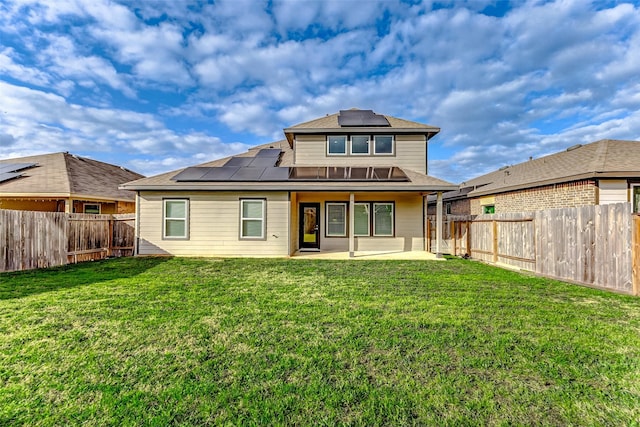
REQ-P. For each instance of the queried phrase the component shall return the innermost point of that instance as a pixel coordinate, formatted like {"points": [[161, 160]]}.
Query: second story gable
{"points": [[361, 138]]}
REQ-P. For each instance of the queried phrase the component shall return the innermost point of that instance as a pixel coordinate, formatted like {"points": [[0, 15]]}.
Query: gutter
{"points": [[403, 188]]}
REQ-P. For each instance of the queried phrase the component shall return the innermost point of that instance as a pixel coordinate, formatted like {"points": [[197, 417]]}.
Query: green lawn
{"points": [[157, 341]]}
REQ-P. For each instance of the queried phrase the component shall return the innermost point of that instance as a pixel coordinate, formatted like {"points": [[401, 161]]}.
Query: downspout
{"points": [[439, 225], [136, 246], [351, 225]]}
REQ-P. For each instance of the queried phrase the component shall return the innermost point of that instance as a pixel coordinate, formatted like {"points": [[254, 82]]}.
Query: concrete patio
{"points": [[369, 255]]}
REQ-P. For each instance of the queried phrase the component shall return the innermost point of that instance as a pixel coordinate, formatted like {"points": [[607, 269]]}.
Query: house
{"points": [[350, 181], [63, 182], [606, 171]]}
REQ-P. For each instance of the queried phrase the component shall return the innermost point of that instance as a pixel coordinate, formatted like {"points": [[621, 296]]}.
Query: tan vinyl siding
{"points": [[214, 225], [612, 191], [408, 214], [410, 153]]}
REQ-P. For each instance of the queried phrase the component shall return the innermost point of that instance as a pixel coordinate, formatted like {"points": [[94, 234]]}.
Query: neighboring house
{"points": [[63, 182], [606, 171], [351, 181]]}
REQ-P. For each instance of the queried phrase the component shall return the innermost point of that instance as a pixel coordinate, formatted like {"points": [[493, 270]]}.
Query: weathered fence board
{"points": [[593, 245], [31, 240]]}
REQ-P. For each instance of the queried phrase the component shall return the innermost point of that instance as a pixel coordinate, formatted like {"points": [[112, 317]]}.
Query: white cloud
{"points": [[36, 121]]}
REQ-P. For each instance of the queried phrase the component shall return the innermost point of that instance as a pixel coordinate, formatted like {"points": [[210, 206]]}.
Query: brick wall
{"points": [[458, 207], [566, 195]]}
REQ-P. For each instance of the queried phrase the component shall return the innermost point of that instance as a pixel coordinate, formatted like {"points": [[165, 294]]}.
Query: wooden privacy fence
{"points": [[31, 240], [592, 245]]}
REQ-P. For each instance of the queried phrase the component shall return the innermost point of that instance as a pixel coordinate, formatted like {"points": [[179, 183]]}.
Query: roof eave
{"points": [[481, 192], [289, 187]]}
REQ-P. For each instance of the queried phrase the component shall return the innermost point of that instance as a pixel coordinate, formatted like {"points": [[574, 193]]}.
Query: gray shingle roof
{"points": [[418, 181], [64, 174], [601, 159]]}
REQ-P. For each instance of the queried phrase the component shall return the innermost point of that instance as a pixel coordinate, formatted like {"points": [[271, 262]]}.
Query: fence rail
{"points": [[31, 240], [592, 245]]}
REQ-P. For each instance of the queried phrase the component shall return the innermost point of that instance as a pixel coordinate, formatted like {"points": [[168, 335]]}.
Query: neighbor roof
{"points": [[68, 175], [417, 181], [606, 158], [331, 123]]}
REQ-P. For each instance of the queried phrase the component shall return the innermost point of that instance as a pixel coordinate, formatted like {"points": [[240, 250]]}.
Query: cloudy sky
{"points": [[158, 85]]}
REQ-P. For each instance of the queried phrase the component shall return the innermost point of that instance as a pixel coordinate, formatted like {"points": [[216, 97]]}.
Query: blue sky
{"points": [[159, 85]]}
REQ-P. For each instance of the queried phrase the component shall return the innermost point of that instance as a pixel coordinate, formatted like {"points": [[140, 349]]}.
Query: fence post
{"points": [[110, 237], [495, 241], [452, 233], [635, 256]]}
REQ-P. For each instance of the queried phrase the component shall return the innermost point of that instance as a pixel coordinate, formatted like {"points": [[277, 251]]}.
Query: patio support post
{"points": [[351, 226], [439, 225]]}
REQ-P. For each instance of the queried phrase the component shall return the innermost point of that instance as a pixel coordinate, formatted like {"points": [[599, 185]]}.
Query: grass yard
{"points": [[155, 341]]}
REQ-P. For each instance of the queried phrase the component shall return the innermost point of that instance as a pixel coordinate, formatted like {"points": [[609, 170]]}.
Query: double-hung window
{"points": [[336, 219], [252, 218], [373, 219], [176, 219], [337, 145]]}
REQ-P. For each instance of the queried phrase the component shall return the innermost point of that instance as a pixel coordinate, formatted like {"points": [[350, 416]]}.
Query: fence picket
{"points": [[31, 240], [590, 244]]}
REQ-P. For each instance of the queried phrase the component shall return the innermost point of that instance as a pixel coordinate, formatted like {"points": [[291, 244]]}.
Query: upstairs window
{"points": [[383, 144], [337, 145], [360, 144]]}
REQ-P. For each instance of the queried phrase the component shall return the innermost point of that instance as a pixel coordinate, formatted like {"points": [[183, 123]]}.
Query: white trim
{"points": [[185, 219], [393, 145], [262, 219], [368, 153], [346, 143]]}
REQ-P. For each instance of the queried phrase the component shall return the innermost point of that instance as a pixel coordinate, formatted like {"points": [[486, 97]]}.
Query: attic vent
{"points": [[574, 147]]}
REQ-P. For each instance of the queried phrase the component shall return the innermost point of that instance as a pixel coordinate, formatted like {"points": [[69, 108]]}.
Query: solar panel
{"points": [[347, 174], [355, 118], [190, 174], [269, 152], [15, 167], [220, 174], [263, 162], [275, 174], [238, 161], [248, 174], [6, 176]]}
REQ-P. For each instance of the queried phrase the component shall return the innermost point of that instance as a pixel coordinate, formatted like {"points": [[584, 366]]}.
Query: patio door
{"points": [[310, 226]]}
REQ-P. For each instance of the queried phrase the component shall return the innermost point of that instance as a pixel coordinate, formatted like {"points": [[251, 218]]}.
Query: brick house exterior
{"points": [[606, 171]]}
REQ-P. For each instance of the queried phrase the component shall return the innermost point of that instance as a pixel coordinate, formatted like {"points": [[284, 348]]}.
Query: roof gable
{"points": [[331, 123]]}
